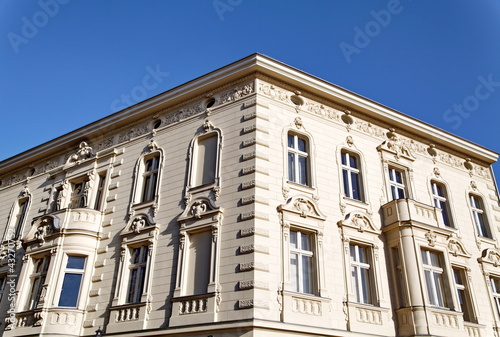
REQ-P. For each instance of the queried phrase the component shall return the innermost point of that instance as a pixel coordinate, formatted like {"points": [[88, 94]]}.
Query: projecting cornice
{"points": [[233, 72]]}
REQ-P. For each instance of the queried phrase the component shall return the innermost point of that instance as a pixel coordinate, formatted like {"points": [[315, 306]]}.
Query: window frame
{"points": [[479, 216], [138, 287], [297, 154], [67, 271], [148, 189], [439, 199], [437, 274], [34, 295], [395, 185], [348, 171], [495, 292], [138, 185], [364, 291], [463, 293], [300, 277]]}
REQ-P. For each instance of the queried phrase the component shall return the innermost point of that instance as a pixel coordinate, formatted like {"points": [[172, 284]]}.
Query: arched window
{"points": [[351, 176], [479, 216], [440, 199], [298, 159]]}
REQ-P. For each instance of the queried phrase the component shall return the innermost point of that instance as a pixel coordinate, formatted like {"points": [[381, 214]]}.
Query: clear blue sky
{"points": [[66, 63]]}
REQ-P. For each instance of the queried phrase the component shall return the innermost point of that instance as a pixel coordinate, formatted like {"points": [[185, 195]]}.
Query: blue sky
{"points": [[67, 63]]}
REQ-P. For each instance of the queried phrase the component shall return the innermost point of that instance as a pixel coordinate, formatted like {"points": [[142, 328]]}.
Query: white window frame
{"points": [[464, 292], [440, 200], [359, 271], [398, 186], [295, 167], [350, 170], [142, 264], [68, 270], [149, 190], [297, 281], [479, 216], [33, 295], [495, 292], [436, 297], [100, 191]]}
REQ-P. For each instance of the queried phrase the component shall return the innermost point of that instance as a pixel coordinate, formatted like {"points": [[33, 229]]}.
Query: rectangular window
{"points": [[80, 194], [301, 262], [463, 293], [361, 274], [197, 267], [440, 201], [100, 192], [495, 289], [41, 266], [205, 160], [150, 179], [397, 183], [433, 272], [298, 157], [399, 277], [72, 281], [351, 176], [138, 264], [480, 220]]}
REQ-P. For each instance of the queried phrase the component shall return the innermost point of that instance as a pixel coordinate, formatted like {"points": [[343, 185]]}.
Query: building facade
{"points": [[256, 200]]}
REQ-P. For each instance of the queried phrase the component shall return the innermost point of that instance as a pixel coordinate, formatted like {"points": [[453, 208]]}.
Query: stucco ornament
{"points": [[198, 208], [84, 152], [138, 223], [303, 207]]}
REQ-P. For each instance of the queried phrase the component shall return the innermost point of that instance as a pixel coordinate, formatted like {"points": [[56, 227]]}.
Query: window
{"points": [[20, 216], [72, 281], [3, 281], [398, 277], [150, 178], [495, 289], [351, 176], [100, 192], [301, 262], [463, 293], [41, 265], [479, 216], [205, 160], [298, 160], [198, 263], [433, 277], [397, 183], [138, 263], [80, 194], [441, 201], [361, 274]]}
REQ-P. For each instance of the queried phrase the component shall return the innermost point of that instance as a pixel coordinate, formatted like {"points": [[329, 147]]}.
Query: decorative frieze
{"points": [[370, 316], [306, 306]]}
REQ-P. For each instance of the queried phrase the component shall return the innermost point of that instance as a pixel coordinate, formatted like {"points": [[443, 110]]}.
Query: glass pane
{"points": [[148, 165], [306, 275], [301, 145], [437, 285], [136, 253], [303, 170], [294, 274], [304, 241], [291, 167], [293, 239], [429, 283], [344, 158], [355, 186], [353, 162], [365, 285], [399, 177], [70, 290], [290, 141], [347, 188], [425, 259], [76, 262], [394, 192], [352, 250], [434, 259], [362, 254]]}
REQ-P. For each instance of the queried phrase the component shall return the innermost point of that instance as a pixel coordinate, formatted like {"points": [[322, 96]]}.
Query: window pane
{"points": [[355, 186], [306, 272], [291, 167], [293, 239], [344, 157], [294, 272], [304, 241], [301, 145], [303, 170], [290, 141], [347, 188], [70, 290], [365, 285], [76, 262], [353, 162]]}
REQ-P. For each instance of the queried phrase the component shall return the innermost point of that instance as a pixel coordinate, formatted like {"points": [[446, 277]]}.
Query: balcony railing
{"points": [[406, 210]]}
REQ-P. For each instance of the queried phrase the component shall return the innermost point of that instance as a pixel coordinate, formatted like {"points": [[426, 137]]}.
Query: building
{"points": [[256, 200]]}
